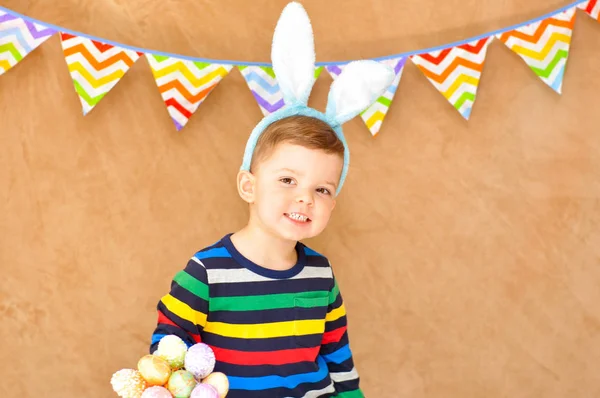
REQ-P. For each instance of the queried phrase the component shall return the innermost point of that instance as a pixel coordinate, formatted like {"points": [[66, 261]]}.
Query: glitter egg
{"points": [[172, 349], [128, 383], [200, 360], [219, 381], [204, 391], [181, 383], [156, 392], [155, 370]]}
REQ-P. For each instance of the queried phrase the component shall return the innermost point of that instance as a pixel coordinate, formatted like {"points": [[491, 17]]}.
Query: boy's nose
{"points": [[305, 197]]}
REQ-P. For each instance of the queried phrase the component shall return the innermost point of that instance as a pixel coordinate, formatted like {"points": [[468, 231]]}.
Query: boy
{"points": [[267, 305]]}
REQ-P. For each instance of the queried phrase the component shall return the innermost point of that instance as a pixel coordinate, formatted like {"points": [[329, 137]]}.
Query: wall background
{"points": [[468, 253]]}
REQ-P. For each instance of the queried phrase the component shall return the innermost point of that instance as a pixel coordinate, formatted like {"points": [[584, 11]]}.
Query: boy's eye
{"points": [[286, 180], [324, 191]]}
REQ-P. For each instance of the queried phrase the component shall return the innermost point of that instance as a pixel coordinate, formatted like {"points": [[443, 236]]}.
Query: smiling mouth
{"points": [[297, 217]]}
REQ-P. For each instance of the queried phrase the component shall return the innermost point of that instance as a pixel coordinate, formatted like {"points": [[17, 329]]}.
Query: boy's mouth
{"points": [[297, 217]]}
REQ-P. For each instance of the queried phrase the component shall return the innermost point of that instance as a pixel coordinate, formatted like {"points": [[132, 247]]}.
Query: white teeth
{"points": [[298, 217]]}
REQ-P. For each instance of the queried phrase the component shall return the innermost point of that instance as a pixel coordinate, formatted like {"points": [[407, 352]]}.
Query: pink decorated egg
{"points": [[219, 381], [128, 383], [156, 392], [200, 360], [204, 391]]}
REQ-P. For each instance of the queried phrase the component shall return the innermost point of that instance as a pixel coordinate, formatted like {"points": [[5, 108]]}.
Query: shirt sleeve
{"points": [[183, 311], [335, 348]]}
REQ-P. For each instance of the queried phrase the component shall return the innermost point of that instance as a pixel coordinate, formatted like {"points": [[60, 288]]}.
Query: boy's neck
{"points": [[264, 249]]}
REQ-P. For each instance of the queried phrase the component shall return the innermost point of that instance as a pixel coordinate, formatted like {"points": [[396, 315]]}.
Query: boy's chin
{"points": [[298, 235]]}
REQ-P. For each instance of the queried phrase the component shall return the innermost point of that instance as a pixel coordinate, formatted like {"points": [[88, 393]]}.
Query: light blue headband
{"points": [[359, 85]]}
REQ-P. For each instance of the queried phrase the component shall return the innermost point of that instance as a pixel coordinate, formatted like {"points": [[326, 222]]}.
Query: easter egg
{"points": [[155, 370], [204, 391], [156, 392], [128, 383], [181, 383], [219, 381], [200, 360], [172, 349]]}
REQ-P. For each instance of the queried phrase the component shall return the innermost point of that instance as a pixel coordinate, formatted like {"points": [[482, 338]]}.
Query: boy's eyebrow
{"points": [[288, 169], [331, 183]]}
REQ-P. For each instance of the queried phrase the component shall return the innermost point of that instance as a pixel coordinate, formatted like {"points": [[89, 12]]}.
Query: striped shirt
{"points": [[275, 333]]}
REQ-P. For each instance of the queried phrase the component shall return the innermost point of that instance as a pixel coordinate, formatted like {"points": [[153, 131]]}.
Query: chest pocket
{"points": [[309, 320]]}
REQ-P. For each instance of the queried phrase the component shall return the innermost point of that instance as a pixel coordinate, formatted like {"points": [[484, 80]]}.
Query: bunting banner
{"points": [[456, 72], [374, 115], [592, 8], [19, 37], [184, 84], [95, 67], [263, 84], [544, 46]]}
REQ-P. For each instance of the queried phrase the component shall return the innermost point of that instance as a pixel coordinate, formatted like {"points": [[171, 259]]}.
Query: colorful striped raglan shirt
{"points": [[275, 334]]}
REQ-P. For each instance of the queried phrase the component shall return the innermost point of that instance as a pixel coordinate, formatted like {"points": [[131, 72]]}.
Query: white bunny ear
{"points": [[293, 54], [359, 85]]}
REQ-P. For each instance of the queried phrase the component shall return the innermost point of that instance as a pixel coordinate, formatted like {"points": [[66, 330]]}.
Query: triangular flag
{"points": [[456, 72], [544, 46], [592, 8], [18, 38], [95, 67], [318, 71], [374, 115], [263, 85], [185, 84]]}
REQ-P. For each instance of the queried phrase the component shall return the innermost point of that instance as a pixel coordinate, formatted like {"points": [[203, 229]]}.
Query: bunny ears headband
{"points": [[293, 57]]}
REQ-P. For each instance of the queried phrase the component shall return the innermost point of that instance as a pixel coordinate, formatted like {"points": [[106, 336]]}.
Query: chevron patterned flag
{"points": [[374, 115], [263, 85], [185, 84], [456, 72], [18, 38], [95, 67], [544, 46], [592, 8]]}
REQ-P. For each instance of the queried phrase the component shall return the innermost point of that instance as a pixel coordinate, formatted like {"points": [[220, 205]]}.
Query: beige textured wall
{"points": [[468, 253]]}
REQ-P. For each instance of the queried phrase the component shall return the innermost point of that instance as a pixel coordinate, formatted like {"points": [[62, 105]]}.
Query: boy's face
{"points": [[294, 191]]}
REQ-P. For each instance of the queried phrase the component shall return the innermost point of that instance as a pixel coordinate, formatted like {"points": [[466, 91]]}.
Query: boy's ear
{"points": [[246, 185]]}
